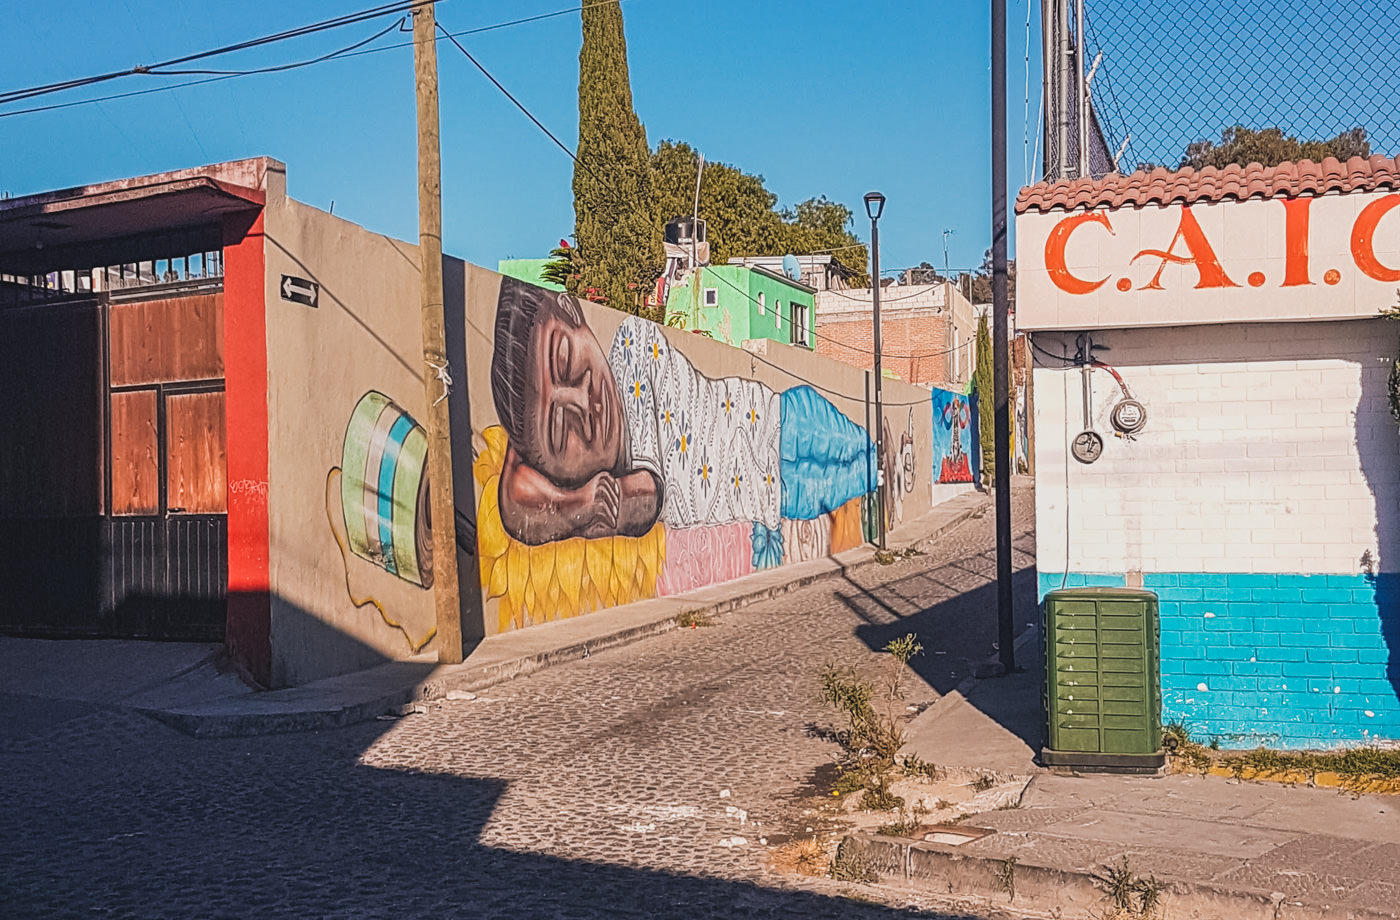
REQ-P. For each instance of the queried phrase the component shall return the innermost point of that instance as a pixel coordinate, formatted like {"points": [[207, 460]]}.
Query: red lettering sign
{"points": [[1199, 254], [1363, 239], [1055, 253]]}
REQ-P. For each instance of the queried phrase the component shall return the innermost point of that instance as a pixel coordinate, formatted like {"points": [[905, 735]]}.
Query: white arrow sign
{"points": [[299, 290]]}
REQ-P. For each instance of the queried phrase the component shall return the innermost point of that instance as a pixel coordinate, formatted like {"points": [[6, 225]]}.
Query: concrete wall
{"points": [[923, 327], [729, 460], [337, 604], [1261, 502], [721, 461]]}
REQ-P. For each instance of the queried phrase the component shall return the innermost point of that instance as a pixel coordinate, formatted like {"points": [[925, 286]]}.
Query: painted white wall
{"points": [[1113, 247], [1268, 448]]}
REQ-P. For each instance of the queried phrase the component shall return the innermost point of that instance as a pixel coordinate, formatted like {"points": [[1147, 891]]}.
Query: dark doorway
{"points": [[113, 515]]}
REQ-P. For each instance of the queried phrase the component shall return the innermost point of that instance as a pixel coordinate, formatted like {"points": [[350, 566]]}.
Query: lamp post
{"points": [[874, 206]]}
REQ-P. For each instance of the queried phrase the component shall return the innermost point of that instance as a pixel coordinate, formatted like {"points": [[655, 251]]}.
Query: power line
{"points": [[155, 69], [342, 54]]}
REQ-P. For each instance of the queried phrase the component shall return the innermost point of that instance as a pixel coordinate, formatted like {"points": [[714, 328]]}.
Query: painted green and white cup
{"points": [[384, 489]]}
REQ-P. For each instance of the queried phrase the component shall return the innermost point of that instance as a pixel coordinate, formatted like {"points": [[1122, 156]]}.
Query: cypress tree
{"points": [[982, 379], [619, 240]]}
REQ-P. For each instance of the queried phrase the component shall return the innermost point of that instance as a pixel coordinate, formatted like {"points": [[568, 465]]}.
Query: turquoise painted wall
{"points": [[1282, 660]]}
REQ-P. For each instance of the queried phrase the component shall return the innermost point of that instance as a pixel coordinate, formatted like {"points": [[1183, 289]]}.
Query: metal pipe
{"points": [[1081, 88], [879, 404], [1000, 364]]}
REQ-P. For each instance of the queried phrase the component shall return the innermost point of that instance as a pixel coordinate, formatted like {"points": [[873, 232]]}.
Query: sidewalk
{"points": [[1223, 850], [184, 685]]}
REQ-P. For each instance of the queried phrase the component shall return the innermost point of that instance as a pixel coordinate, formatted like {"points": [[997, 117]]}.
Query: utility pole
{"points": [[1000, 308], [446, 595]]}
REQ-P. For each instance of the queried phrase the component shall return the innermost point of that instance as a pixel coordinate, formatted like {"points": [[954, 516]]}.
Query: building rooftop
{"points": [[1232, 183]]}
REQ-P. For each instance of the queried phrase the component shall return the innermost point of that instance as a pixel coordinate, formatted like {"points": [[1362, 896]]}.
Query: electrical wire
{"points": [[338, 22], [343, 54]]}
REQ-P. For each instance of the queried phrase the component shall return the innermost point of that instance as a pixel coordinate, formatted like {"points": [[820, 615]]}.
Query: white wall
{"points": [[1268, 448]]}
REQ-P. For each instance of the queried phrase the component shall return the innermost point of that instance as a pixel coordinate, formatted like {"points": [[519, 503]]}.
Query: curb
{"points": [[1071, 893], [283, 715]]}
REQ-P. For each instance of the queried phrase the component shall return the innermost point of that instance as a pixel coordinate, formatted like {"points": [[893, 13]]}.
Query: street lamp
{"points": [[874, 206]]}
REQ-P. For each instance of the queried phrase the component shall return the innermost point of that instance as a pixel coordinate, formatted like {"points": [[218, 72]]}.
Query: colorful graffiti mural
{"points": [[652, 477], [952, 422], [377, 505]]}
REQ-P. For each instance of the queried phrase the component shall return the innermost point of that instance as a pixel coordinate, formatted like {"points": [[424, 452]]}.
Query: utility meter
{"points": [[1087, 446], [1128, 417]]}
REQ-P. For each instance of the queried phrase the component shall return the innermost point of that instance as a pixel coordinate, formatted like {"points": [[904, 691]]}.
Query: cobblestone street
{"points": [[614, 786]]}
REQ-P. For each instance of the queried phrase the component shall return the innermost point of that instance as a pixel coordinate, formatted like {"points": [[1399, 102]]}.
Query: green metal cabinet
{"points": [[1103, 696]]}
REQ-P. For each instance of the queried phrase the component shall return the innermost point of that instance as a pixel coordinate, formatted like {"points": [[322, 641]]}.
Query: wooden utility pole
{"points": [[446, 597]]}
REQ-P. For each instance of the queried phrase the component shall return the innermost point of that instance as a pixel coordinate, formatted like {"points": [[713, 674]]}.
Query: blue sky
{"points": [[819, 97]]}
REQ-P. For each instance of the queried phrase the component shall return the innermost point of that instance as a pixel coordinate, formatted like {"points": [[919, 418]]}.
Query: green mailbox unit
{"points": [[1103, 689]]}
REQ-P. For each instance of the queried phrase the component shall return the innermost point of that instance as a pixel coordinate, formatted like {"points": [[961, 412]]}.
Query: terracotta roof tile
{"points": [[1233, 183]]}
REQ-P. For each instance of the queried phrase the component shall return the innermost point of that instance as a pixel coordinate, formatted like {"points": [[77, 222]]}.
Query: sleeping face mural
{"points": [[632, 443]]}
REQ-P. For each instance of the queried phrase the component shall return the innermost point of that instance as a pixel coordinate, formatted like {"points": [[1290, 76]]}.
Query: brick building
{"points": [[1254, 484], [929, 331]]}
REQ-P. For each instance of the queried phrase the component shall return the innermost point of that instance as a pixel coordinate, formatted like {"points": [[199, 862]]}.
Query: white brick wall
{"points": [[1268, 448]]}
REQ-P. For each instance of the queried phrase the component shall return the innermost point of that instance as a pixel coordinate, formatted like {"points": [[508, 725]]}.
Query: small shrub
{"points": [[914, 765], [983, 783], [690, 619], [804, 856], [852, 865], [880, 798]]}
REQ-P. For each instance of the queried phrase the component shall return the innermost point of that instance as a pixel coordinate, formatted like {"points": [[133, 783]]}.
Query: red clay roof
{"points": [[1189, 186]]}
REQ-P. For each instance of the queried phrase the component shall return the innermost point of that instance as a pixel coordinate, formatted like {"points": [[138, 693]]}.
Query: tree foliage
{"points": [[741, 214], [1270, 147], [982, 281], [615, 225], [982, 381]]}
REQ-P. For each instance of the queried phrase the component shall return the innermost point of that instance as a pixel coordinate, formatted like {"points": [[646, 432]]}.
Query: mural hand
{"points": [[603, 499]]}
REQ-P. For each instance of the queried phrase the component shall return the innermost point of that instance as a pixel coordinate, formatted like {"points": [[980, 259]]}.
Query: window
{"points": [[801, 325], [711, 297], [778, 314], [760, 303]]}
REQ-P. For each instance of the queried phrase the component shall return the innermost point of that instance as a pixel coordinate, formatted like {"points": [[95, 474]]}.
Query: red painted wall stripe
{"points": [[248, 630]]}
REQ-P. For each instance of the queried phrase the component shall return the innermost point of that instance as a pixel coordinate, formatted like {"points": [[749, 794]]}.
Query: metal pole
{"points": [[1062, 53], [879, 405], [1081, 89], [446, 595], [1002, 436]]}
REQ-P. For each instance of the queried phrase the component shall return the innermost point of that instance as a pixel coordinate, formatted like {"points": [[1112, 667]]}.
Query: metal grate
{"points": [[1170, 75]]}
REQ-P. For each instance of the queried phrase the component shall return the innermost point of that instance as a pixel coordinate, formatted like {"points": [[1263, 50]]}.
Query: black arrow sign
{"points": [[299, 290]]}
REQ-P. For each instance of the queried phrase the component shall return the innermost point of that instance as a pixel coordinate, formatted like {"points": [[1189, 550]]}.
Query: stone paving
{"points": [[616, 786]]}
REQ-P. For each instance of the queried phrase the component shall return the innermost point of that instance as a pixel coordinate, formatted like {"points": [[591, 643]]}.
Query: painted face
{"points": [[577, 418]]}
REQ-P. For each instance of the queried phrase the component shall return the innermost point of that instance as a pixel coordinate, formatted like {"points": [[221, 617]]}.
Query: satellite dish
{"points": [[792, 267]]}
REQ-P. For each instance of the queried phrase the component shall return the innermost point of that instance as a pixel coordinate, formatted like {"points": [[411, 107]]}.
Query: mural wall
{"points": [[956, 452], [623, 461]]}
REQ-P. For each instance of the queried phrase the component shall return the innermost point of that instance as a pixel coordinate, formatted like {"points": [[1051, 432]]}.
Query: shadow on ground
{"points": [[958, 630]]}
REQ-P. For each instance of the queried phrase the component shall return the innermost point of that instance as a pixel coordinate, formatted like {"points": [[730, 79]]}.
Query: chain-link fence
{"points": [[1167, 82]]}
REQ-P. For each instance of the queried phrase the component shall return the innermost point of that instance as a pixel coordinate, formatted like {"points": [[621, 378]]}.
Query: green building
{"points": [[527, 270], [734, 303]]}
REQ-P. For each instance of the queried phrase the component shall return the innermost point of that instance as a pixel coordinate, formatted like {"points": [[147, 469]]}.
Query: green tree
{"points": [[1270, 147], [982, 380], [982, 282], [564, 266], [615, 226], [737, 209], [819, 224], [740, 212]]}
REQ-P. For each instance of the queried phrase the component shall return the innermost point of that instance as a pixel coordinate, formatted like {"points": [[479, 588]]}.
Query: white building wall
{"points": [[1259, 454]]}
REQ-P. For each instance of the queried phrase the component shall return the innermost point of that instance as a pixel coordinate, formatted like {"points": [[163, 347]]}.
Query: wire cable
{"points": [[340, 21], [343, 54]]}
